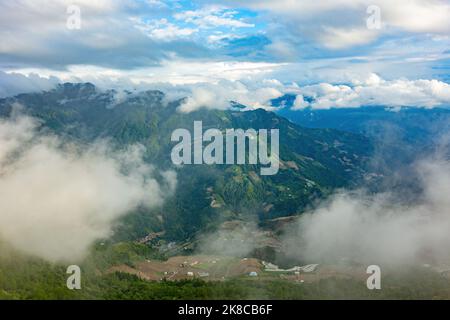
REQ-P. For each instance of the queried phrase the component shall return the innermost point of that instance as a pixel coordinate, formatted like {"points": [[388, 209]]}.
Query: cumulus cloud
{"points": [[299, 103], [57, 198], [380, 229], [375, 91], [219, 96]]}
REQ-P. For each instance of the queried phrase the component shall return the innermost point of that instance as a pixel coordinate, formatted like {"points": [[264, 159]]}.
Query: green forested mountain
{"points": [[313, 161]]}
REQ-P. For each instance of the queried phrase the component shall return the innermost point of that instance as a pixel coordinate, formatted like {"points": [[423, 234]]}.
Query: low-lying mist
{"points": [[399, 226], [57, 198], [406, 221], [380, 228]]}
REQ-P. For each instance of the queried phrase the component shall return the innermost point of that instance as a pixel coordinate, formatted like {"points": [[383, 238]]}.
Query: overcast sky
{"points": [[288, 42]]}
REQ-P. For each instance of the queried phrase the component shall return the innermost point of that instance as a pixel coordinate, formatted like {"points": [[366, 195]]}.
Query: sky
{"points": [[340, 52]]}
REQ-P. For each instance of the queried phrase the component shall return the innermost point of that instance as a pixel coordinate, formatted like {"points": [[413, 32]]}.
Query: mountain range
{"points": [[314, 162]]}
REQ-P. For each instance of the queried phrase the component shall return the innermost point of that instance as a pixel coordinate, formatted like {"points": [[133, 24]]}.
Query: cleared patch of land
{"points": [[214, 268], [219, 268]]}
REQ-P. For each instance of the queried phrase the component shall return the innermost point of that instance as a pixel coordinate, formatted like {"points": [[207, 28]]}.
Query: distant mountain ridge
{"points": [[313, 161]]}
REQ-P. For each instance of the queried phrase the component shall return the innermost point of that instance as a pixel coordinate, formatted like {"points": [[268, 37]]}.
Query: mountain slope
{"points": [[313, 161]]}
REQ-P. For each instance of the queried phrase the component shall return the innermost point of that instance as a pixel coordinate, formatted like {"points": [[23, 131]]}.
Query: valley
{"points": [[222, 233], [224, 150]]}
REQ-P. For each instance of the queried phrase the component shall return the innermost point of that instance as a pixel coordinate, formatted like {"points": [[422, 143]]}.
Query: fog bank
{"points": [[57, 198], [380, 228]]}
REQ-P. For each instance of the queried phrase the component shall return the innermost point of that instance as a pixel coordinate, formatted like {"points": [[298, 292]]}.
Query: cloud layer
{"points": [[137, 35], [372, 91], [57, 198], [375, 92], [16, 83], [248, 86]]}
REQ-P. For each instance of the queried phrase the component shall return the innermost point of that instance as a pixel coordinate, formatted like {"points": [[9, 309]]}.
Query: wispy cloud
{"points": [[210, 17]]}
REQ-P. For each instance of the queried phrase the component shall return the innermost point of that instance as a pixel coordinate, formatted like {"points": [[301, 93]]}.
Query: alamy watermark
{"points": [[74, 280], [373, 21], [234, 142], [374, 280], [73, 21]]}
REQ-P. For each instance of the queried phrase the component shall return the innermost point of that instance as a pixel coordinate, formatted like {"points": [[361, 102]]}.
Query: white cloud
{"points": [[175, 71], [218, 37], [130, 35], [219, 96], [214, 85], [342, 23], [380, 229], [57, 198], [428, 16], [299, 103], [376, 91], [157, 3], [35, 33], [282, 48], [204, 97], [27, 24], [373, 91], [210, 17], [16, 83], [164, 30], [338, 38]]}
